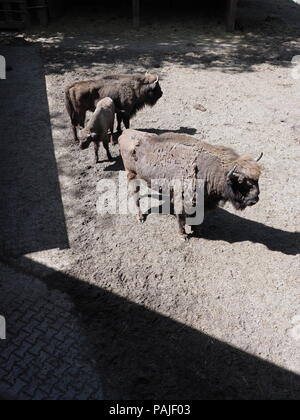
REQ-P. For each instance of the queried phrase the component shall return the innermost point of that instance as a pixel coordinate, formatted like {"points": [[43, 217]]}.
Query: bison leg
{"points": [[75, 134], [96, 148], [80, 121], [135, 190], [119, 119], [106, 147], [112, 133], [140, 216], [181, 224], [82, 118], [177, 202], [126, 121]]}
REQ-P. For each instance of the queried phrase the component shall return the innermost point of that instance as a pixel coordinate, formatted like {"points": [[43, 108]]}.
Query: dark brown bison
{"points": [[226, 176], [98, 127], [130, 93]]}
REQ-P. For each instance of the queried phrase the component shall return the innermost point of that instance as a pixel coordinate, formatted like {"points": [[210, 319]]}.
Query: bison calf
{"points": [[98, 127]]}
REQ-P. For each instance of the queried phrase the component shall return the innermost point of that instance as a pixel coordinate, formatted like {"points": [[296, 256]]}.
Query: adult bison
{"points": [[130, 93], [226, 176]]}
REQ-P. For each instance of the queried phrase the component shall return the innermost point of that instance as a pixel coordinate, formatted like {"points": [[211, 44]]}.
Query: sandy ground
{"points": [[165, 317]]}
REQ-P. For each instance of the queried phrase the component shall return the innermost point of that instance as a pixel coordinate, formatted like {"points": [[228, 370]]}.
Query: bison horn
{"points": [[232, 172], [150, 77], [260, 157], [81, 135]]}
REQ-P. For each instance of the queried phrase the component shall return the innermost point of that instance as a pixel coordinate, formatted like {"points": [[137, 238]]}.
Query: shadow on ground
{"points": [[189, 36], [142, 354], [31, 211], [221, 225], [182, 130], [224, 226]]}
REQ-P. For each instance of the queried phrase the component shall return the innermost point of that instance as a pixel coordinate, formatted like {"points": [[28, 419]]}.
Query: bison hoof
{"points": [[141, 218], [197, 230]]}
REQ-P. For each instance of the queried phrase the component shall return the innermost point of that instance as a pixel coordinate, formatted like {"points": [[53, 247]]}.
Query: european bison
{"points": [[130, 93], [97, 128], [226, 176]]}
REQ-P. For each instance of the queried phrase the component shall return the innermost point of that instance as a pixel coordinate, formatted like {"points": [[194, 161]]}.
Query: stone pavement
{"points": [[45, 355]]}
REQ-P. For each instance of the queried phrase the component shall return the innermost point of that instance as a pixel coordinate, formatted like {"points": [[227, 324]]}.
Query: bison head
{"points": [[243, 183], [85, 139], [152, 89]]}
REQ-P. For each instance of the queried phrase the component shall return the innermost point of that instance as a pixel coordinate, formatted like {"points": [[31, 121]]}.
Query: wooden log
{"points": [[231, 14], [136, 13]]}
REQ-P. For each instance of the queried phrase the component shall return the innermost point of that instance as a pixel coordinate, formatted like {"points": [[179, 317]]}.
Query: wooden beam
{"points": [[231, 14], [136, 13]]}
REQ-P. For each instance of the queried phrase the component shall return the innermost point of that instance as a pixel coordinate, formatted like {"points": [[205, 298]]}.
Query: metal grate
{"points": [[13, 14]]}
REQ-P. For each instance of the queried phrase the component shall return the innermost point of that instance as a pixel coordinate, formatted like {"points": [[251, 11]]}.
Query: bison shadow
{"points": [[116, 166], [182, 130], [224, 226], [221, 225]]}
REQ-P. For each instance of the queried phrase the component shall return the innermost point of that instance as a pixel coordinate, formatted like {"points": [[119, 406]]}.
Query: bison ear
{"points": [[151, 79], [233, 175]]}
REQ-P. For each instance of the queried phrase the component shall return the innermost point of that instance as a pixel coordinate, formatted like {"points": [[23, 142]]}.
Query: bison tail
{"points": [[70, 107]]}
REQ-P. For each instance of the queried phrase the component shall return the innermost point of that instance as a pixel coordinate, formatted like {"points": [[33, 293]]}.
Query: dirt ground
{"points": [[213, 317]]}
